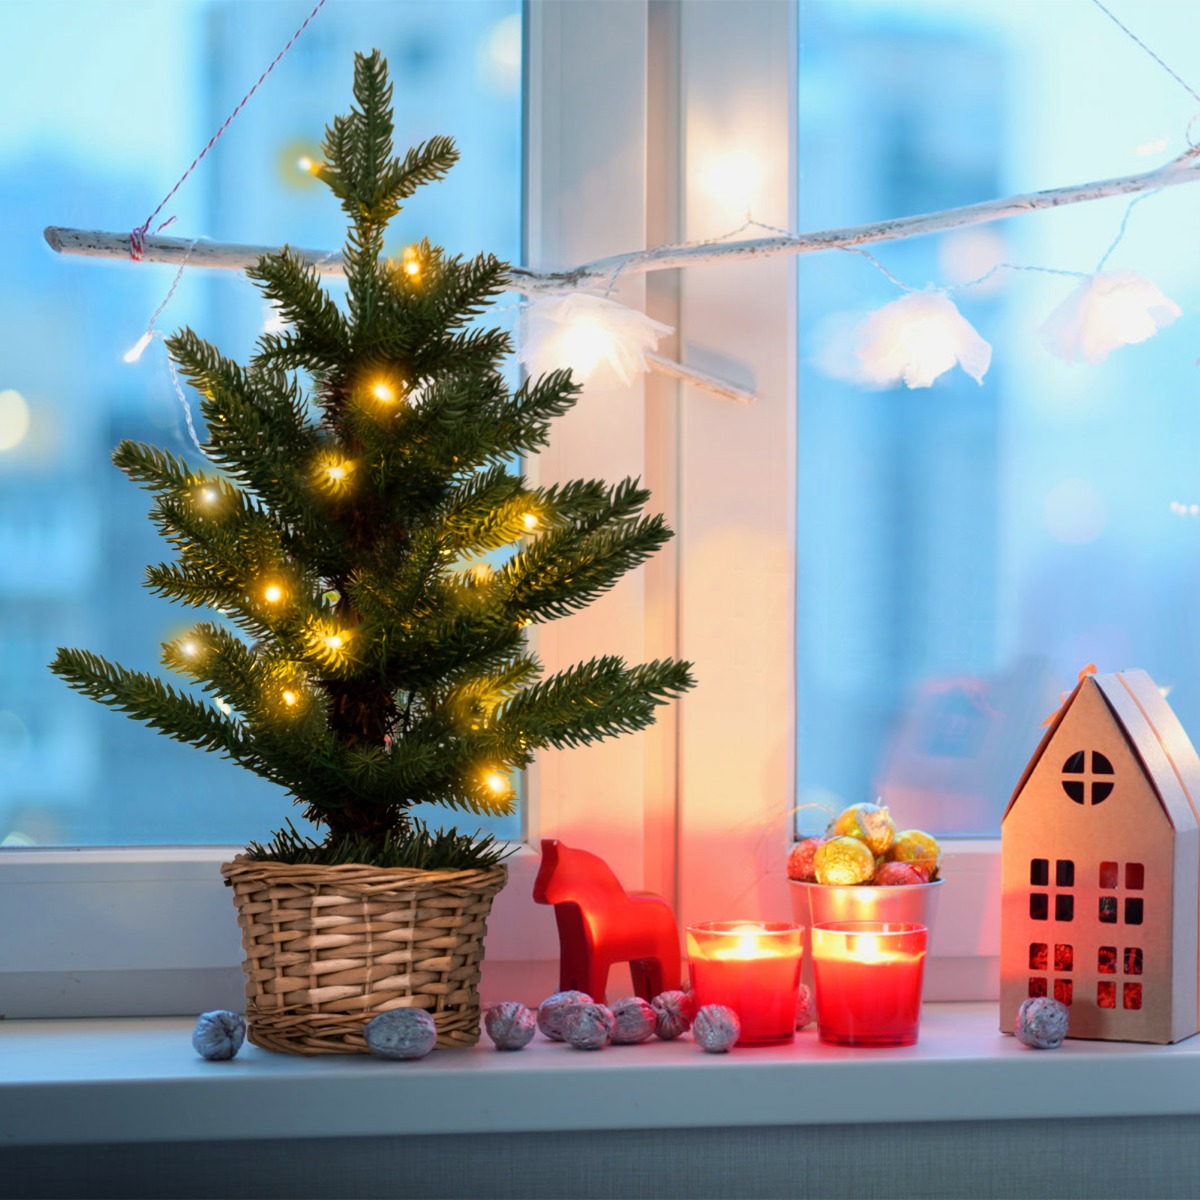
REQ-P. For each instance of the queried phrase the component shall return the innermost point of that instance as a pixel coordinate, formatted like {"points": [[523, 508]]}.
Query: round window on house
{"points": [[1083, 777]]}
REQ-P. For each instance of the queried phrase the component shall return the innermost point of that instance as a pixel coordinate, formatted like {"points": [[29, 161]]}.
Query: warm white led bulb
{"points": [[334, 641], [273, 594], [496, 781], [530, 521], [383, 392], [336, 473], [289, 698]]}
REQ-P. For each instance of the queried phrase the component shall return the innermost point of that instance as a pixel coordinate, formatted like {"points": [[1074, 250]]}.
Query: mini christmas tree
{"points": [[365, 656]]}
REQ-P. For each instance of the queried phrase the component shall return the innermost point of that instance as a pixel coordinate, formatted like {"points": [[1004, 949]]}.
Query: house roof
{"points": [[1153, 732]]}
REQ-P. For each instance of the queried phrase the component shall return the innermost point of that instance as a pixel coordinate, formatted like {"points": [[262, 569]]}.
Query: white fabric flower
{"points": [[587, 333], [1117, 308], [915, 339]]}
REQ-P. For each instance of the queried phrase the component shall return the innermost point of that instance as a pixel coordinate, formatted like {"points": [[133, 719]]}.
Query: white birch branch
{"points": [[700, 379], [1183, 169]]}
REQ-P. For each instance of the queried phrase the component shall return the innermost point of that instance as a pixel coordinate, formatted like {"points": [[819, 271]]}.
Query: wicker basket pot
{"points": [[328, 948]]}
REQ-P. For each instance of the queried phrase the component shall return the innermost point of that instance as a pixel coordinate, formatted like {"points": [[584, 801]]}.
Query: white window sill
{"points": [[138, 1080]]}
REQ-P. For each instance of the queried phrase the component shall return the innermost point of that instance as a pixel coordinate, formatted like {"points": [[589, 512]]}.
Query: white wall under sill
{"points": [[138, 1080]]}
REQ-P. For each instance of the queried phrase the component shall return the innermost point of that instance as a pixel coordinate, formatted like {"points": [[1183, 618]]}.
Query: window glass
{"points": [[964, 550], [101, 119]]}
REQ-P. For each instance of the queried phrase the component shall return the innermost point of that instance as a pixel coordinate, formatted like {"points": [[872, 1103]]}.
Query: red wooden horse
{"points": [[600, 924]]}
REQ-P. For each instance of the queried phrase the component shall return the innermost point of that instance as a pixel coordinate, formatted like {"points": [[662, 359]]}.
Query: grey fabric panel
{"points": [[1091, 1160]]}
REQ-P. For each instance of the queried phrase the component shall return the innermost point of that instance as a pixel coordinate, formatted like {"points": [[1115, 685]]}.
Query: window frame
{"points": [[620, 104]]}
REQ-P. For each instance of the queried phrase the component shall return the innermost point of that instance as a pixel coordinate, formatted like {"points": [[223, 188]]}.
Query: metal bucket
{"points": [[813, 903]]}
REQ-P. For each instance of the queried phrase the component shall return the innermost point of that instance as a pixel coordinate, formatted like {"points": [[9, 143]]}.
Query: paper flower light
{"points": [[1106, 311], [588, 333], [917, 338]]}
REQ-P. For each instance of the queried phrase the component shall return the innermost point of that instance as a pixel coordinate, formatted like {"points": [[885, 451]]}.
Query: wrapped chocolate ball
{"points": [[553, 1011], [1042, 1023], [869, 823], [716, 1028], [806, 1007], [919, 850], [898, 874], [800, 864], [401, 1033], [588, 1026], [218, 1034], [510, 1025], [674, 1011], [843, 860], [635, 1020]]}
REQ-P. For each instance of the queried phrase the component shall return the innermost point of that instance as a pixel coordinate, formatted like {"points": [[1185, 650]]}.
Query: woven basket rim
{"points": [[244, 868]]}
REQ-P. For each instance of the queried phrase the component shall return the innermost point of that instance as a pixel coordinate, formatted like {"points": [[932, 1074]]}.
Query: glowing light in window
{"points": [[14, 418]]}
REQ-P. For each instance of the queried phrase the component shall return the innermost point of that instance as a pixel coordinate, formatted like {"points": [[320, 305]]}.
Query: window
{"points": [[857, 619], [100, 153], [186, 950], [963, 551]]}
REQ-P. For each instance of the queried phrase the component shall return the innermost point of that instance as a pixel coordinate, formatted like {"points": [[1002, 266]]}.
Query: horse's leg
{"points": [[575, 956], [597, 976], [667, 945], [647, 975]]}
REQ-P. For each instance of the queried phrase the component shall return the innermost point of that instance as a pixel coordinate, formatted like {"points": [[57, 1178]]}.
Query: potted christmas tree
{"points": [[373, 559]]}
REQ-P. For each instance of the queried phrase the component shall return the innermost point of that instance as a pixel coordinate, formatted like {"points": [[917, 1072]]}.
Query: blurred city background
{"points": [[106, 104], [962, 551]]}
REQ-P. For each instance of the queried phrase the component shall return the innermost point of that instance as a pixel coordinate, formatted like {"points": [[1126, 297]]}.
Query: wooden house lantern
{"points": [[1100, 875]]}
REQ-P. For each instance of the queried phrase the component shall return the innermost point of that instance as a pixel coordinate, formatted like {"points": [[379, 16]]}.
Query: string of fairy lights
{"points": [[911, 341]]}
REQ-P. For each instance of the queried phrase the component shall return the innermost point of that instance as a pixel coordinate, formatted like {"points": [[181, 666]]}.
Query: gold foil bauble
{"points": [[918, 849], [870, 823], [844, 860]]}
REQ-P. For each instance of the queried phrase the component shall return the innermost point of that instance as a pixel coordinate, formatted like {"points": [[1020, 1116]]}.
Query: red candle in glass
{"points": [[868, 977], [752, 967]]}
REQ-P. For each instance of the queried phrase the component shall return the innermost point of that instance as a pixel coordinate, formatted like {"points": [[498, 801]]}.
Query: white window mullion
{"points": [[586, 183], [737, 493]]}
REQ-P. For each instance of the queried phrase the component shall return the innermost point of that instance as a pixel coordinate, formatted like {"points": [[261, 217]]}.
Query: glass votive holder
{"points": [[868, 977], [752, 967]]}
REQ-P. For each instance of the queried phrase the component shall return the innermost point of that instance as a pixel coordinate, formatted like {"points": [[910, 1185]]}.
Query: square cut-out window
{"points": [[1064, 908], [1108, 910], [1132, 997], [1106, 995], [1133, 960], [1064, 873], [1109, 874], [1062, 991], [1039, 872], [1106, 960], [1064, 957], [1135, 876], [1037, 985], [1039, 956], [1039, 906], [1133, 910]]}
